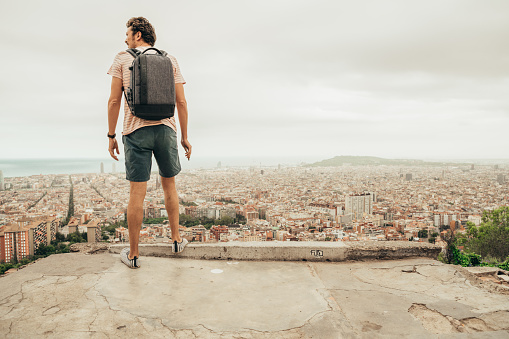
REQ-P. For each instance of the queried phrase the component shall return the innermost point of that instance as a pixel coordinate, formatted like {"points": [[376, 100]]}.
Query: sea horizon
{"points": [[23, 167], [41, 166]]}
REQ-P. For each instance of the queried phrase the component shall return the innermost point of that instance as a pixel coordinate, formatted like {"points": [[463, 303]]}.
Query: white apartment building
{"points": [[358, 204]]}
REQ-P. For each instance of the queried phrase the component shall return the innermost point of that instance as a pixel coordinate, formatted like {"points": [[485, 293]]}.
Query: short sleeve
{"points": [[179, 79], [116, 68]]}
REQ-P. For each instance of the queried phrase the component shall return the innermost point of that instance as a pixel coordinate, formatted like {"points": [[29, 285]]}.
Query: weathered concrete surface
{"points": [[81, 296], [292, 250]]}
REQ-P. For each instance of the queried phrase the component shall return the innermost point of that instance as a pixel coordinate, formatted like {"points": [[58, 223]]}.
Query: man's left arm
{"points": [[183, 116], [113, 111]]}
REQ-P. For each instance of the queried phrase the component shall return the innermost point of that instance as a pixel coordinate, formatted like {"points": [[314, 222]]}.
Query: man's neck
{"points": [[143, 45]]}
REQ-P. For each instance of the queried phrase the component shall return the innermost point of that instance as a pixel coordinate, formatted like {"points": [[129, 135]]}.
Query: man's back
{"points": [[120, 69]]}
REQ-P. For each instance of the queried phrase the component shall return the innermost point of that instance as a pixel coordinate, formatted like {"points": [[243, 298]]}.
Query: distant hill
{"points": [[363, 160]]}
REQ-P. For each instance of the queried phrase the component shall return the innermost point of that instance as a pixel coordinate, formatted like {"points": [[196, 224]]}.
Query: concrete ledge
{"points": [[292, 251]]}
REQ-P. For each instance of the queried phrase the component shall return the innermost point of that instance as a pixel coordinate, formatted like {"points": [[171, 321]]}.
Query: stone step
{"points": [[291, 250]]}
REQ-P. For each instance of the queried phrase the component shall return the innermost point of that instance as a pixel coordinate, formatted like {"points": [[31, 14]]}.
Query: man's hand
{"points": [[187, 147], [112, 147]]}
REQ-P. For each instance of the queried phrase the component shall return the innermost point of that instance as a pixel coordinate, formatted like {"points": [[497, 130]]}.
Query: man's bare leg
{"points": [[171, 202], [135, 215]]}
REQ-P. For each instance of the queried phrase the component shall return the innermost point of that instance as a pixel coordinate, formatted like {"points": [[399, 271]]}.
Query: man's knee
{"points": [[138, 190], [168, 183]]}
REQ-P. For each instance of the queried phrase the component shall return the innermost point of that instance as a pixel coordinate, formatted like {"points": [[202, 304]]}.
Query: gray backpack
{"points": [[151, 94]]}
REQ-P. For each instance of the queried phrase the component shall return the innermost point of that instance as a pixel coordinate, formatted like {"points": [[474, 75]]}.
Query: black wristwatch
{"points": [[112, 136]]}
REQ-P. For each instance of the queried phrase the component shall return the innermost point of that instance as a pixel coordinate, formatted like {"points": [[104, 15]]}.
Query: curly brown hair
{"points": [[140, 24]]}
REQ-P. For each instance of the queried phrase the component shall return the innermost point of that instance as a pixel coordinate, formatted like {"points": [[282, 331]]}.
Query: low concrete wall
{"points": [[292, 251]]}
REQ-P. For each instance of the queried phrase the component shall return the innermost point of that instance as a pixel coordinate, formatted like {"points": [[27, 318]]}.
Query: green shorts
{"points": [[139, 146]]}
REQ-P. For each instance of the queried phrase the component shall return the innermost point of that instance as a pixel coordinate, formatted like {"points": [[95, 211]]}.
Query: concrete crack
{"points": [[96, 315], [194, 334], [168, 328], [311, 318], [205, 327], [6, 299], [390, 288], [26, 282], [49, 308], [12, 308], [356, 290], [476, 324], [392, 267]]}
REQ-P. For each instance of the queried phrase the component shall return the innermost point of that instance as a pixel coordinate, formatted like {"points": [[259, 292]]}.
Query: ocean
{"points": [[28, 167]]}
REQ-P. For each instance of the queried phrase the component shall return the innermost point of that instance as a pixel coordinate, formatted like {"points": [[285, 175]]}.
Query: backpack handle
{"points": [[135, 52], [155, 49]]}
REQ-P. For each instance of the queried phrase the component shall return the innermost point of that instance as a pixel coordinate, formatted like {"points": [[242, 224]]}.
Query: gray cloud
{"points": [[322, 78]]}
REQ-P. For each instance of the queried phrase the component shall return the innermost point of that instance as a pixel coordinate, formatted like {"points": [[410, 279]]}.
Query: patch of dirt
{"points": [[89, 248], [433, 321], [436, 322], [489, 283]]}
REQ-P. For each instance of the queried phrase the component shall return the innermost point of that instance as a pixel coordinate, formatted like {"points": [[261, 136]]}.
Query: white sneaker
{"points": [[124, 257], [178, 247]]}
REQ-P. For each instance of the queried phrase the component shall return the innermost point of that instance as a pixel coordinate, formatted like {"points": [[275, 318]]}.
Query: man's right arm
{"points": [[113, 112]]}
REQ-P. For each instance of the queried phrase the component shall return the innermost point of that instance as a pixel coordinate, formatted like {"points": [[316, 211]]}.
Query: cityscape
{"points": [[277, 203]]}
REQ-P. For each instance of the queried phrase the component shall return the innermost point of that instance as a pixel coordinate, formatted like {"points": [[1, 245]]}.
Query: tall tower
{"points": [[102, 167], [500, 179], [2, 184]]}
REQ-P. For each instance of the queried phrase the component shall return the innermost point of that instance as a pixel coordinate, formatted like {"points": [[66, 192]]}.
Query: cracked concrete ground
{"points": [[82, 296]]}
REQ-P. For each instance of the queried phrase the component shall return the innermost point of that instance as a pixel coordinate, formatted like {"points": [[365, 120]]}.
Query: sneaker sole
{"points": [[131, 263], [178, 247]]}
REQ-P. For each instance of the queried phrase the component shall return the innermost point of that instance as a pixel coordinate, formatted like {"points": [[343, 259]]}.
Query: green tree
{"points": [[5, 267], [491, 238], [70, 211], [226, 220], [422, 234], [154, 220], [449, 239], [60, 237], [240, 219], [45, 250]]}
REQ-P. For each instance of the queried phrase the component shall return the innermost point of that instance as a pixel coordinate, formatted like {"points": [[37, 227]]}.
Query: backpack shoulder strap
{"points": [[134, 52], [163, 53]]}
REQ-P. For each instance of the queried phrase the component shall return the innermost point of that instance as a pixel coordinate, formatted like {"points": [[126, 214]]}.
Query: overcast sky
{"points": [[415, 79]]}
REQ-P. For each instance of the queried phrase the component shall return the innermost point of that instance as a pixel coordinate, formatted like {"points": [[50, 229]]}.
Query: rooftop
{"points": [[78, 295]]}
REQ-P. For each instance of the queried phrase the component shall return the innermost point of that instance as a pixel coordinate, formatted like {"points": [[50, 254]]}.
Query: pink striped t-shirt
{"points": [[120, 69]]}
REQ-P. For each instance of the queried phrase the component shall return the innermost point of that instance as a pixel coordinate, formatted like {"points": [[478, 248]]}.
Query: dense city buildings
{"points": [[22, 238], [346, 203]]}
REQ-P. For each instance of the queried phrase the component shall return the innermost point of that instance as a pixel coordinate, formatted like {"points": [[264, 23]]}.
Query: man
{"points": [[142, 137]]}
